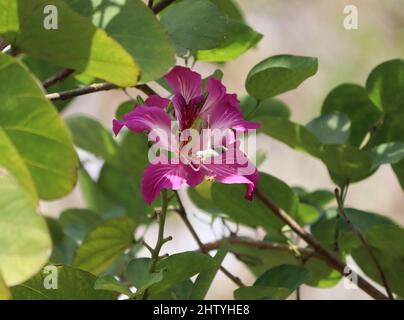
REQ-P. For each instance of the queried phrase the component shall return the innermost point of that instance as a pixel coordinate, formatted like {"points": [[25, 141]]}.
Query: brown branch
{"points": [[162, 5], [58, 77], [262, 245], [95, 87], [328, 256], [339, 197], [182, 213]]}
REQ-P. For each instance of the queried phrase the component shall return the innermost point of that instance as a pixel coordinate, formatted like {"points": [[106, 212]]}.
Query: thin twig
{"points": [[328, 256], [339, 197], [155, 253], [95, 87], [182, 213], [58, 77], [162, 5], [262, 245]]}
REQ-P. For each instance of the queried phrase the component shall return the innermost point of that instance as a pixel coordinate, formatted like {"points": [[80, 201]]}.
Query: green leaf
{"points": [[389, 129], [282, 281], [24, 238], [195, 25], [330, 128], [133, 151], [363, 221], [35, 145], [230, 8], [346, 164], [90, 135], [110, 283], [5, 293], [386, 243], [72, 284], [385, 85], [317, 198], [124, 108], [279, 74], [104, 244], [325, 228], [124, 191], [269, 107], [133, 25], [321, 274], [43, 70], [139, 275], [77, 222], [201, 196], [240, 38], [294, 135], [353, 100], [95, 198], [307, 214], [205, 278], [179, 267], [76, 44], [261, 292], [258, 213], [391, 152]]}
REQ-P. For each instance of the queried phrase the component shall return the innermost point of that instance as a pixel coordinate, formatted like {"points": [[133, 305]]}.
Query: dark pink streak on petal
{"points": [[185, 81], [186, 113]]}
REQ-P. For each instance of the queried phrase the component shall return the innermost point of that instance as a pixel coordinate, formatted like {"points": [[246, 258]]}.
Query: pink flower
{"points": [[218, 159]]}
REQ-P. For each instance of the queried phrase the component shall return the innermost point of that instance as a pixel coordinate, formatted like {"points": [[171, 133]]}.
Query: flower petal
{"points": [[216, 96], [232, 167], [154, 119], [226, 116], [184, 81], [160, 176], [194, 177], [157, 101], [185, 113]]}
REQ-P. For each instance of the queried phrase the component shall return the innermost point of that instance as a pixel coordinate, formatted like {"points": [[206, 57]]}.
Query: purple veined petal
{"points": [[163, 175], [225, 116], [185, 81], [146, 118], [216, 92], [233, 167], [154, 119], [157, 101], [216, 97]]}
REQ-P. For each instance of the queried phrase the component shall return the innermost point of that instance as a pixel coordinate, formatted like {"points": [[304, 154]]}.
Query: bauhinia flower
{"points": [[214, 153]]}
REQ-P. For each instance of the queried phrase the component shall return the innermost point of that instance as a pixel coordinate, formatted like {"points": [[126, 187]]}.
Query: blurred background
{"points": [[312, 28]]}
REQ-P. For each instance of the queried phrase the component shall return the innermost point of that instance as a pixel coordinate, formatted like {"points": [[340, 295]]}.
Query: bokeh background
{"points": [[312, 28]]}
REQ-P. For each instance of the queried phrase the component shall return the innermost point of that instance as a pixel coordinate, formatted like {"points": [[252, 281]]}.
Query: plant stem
{"points": [[182, 213], [95, 87], [58, 77], [155, 253], [262, 245], [150, 3], [340, 201], [328, 256]]}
